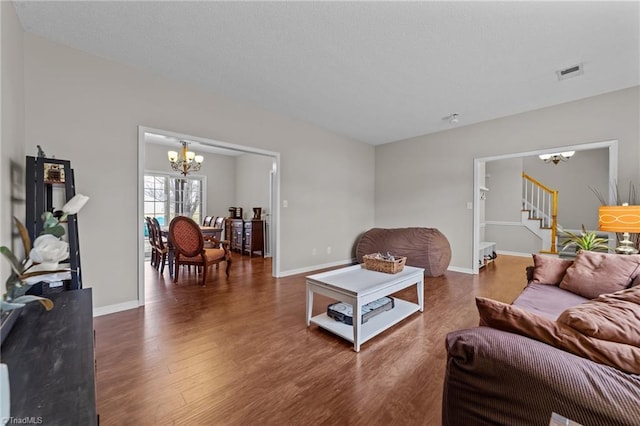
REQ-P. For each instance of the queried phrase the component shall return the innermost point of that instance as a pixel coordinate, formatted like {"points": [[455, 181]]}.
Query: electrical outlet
{"points": [[469, 205], [285, 203], [313, 252], [329, 250]]}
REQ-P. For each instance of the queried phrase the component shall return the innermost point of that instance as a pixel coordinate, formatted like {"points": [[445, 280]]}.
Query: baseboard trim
{"points": [[112, 309], [461, 270], [503, 223], [316, 267], [513, 253]]}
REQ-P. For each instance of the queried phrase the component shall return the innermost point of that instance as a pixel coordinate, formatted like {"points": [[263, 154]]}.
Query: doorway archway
{"points": [[273, 236], [478, 165]]}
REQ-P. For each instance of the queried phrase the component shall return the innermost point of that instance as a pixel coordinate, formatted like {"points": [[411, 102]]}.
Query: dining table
{"points": [[207, 231]]}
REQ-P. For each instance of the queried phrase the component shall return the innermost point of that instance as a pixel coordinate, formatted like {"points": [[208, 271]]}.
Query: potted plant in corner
{"points": [[42, 258]]}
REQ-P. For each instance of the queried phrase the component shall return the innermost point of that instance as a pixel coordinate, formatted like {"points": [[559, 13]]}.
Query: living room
{"points": [[88, 108]]}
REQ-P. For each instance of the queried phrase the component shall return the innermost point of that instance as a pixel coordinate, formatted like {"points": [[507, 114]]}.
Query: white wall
{"points": [[504, 180], [12, 122], [428, 180], [88, 109], [253, 173]]}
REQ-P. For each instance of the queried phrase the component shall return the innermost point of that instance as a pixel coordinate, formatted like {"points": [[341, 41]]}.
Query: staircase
{"points": [[540, 212]]}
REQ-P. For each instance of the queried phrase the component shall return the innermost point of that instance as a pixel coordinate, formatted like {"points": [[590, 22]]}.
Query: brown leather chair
{"points": [[189, 249]]}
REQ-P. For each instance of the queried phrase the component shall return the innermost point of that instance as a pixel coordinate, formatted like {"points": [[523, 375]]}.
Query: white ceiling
{"points": [[374, 71]]}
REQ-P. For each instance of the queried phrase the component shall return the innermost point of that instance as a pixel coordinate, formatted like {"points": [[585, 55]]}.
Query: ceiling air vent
{"points": [[573, 71]]}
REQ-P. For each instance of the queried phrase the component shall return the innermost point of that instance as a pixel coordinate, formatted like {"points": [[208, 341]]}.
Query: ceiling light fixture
{"points": [[556, 157], [454, 119], [186, 161]]}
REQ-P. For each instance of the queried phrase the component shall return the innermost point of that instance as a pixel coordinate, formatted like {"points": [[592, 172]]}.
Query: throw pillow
{"points": [[613, 317], [594, 273], [549, 269], [515, 320]]}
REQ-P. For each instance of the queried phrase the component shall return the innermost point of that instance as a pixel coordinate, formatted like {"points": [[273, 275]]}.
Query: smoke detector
{"points": [[572, 71]]}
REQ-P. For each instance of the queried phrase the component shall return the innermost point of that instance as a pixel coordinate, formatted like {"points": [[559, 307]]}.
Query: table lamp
{"points": [[625, 219]]}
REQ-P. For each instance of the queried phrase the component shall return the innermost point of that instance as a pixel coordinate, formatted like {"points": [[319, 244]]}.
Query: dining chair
{"points": [[162, 248], [218, 222], [207, 220], [189, 249], [152, 243]]}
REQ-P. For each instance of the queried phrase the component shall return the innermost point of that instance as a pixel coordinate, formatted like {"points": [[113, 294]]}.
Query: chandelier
{"points": [[186, 161], [557, 157]]}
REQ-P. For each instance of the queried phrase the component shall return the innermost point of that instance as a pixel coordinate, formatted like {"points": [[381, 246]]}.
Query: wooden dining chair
{"points": [[162, 248], [189, 249], [152, 243]]}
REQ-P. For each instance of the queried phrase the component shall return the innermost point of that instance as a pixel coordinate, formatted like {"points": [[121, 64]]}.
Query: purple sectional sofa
{"points": [[527, 363]]}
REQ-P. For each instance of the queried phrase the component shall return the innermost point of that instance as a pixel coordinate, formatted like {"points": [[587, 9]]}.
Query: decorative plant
{"points": [[43, 257], [586, 240]]}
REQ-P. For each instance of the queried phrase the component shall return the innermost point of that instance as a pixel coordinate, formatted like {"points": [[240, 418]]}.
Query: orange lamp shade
{"points": [[619, 219]]}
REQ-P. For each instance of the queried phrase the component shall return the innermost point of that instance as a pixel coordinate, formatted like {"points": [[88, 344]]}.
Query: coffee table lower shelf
{"points": [[371, 328]]}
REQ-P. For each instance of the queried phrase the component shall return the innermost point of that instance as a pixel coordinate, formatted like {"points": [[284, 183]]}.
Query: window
{"points": [[166, 197]]}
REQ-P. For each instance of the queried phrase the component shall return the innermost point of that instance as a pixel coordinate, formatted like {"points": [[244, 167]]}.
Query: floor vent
{"points": [[572, 71]]}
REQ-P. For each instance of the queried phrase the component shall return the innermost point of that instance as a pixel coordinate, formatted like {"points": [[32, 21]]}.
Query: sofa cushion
{"points": [[549, 269], [614, 317], [593, 274], [515, 320], [547, 300]]}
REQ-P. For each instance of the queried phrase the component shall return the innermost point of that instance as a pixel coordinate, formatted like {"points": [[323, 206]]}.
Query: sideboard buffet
{"points": [[245, 236], [51, 364]]}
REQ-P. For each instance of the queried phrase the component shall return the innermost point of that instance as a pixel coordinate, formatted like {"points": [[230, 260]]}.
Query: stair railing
{"points": [[542, 203]]}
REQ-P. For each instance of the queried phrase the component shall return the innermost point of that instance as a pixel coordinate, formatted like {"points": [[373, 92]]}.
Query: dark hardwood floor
{"points": [[238, 352]]}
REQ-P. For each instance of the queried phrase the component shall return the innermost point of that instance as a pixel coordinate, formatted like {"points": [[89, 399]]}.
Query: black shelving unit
{"points": [[43, 176]]}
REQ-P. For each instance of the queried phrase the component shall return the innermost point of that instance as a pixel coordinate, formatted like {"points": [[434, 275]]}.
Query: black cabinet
{"points": [[50, 358]]}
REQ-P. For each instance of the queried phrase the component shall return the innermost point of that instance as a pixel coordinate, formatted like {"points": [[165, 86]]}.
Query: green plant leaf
{"points": [[587, 241], [48, 220], [9, 306], [12, 283], [16, 265], [56, 230]]}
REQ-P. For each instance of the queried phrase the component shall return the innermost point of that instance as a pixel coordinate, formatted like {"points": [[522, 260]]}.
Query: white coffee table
{"points": [[358, 286]]}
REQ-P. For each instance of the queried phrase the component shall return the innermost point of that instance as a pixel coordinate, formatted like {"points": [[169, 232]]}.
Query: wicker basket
{"points": [[373, 263]]}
